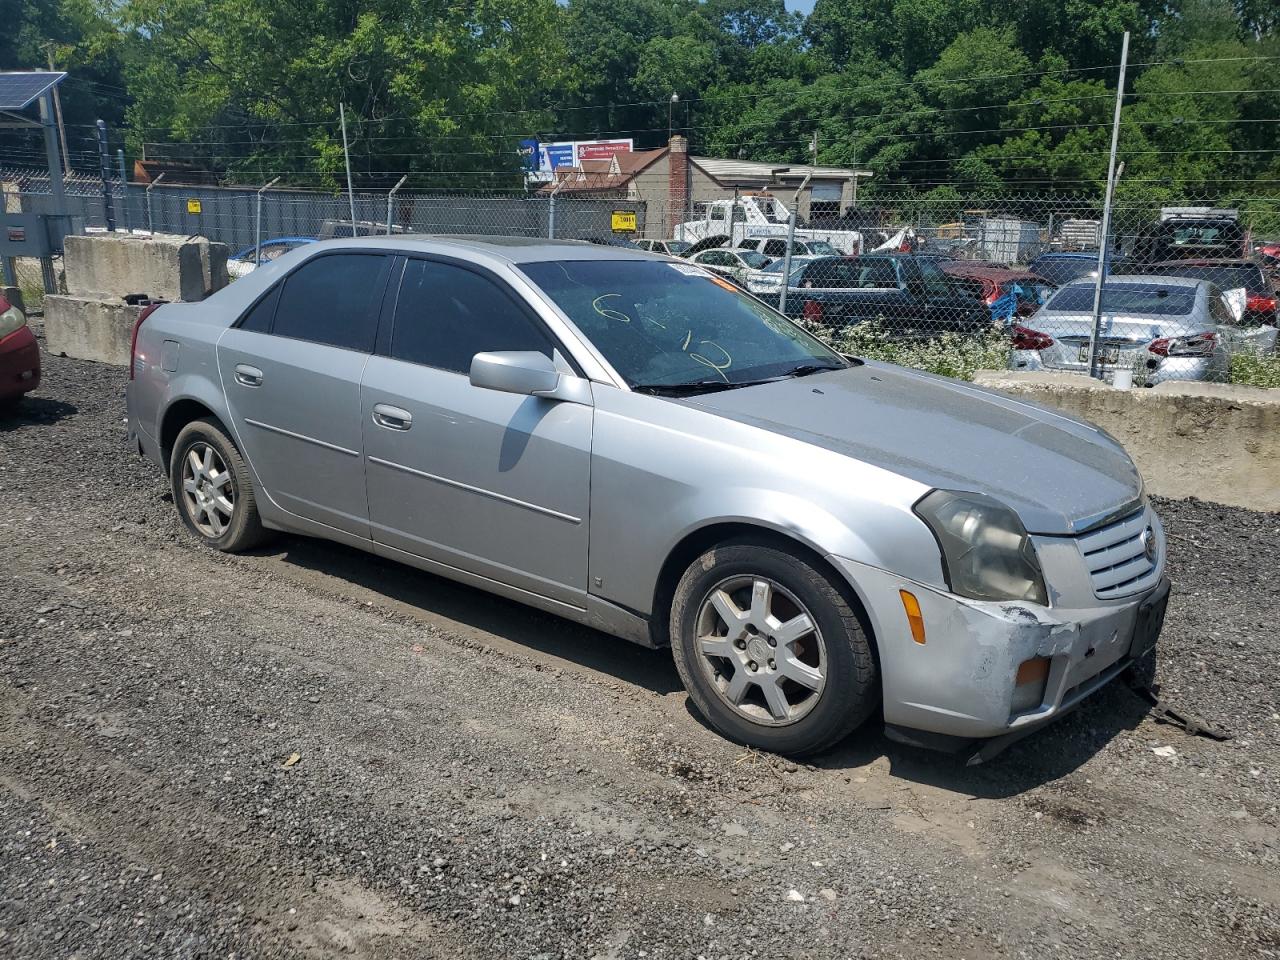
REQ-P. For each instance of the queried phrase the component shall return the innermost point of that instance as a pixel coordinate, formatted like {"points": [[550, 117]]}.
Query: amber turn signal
{"points": [[912, 606]]}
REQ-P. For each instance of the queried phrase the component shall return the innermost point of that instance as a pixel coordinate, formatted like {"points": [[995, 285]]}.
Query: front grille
{"points": [[1116, 556]]}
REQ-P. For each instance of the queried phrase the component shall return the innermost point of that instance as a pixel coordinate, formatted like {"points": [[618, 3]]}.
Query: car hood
{"points": [[1060, 474]]}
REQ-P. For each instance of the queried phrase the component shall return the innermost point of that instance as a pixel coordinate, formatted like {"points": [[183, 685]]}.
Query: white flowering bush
{"points": [[1255, 369], [948, 354]]}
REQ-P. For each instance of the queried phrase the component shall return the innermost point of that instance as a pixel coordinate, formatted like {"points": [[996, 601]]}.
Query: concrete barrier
{"points": [[1214, 441], [111, 266], [89, 329]]}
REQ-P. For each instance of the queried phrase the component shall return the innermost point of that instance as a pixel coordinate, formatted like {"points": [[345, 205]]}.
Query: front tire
{"points": [[770, 651], [212, 489]]}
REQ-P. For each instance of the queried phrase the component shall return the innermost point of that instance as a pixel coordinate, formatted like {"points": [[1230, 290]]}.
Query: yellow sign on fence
{"points": [[624, 221], [194, 206]]}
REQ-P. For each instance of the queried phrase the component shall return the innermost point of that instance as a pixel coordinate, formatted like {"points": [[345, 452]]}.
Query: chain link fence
{"points": [[952, 285]]}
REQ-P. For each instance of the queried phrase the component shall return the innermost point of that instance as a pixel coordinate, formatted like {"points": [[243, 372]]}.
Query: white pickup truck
{"points": [[758, 216]]}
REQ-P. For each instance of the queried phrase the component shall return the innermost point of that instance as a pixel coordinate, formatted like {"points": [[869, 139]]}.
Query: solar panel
{"points": [[20, 89]]}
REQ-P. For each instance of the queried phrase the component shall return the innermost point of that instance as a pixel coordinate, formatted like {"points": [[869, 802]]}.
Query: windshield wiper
{"points": [[807, 368], [680, 389]]}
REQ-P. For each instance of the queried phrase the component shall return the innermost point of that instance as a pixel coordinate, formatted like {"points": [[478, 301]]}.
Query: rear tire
{"points": [[770, 651], [212, 489]]}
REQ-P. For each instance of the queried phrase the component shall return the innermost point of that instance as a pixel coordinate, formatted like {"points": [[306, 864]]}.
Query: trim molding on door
{"points": [[301, 436], [568, 518]]}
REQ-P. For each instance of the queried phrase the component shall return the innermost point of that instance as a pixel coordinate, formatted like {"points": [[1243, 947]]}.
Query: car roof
{"points": [[961, 268], [514, 250], [1205, 262], [1141, 279], [1067, 255]]}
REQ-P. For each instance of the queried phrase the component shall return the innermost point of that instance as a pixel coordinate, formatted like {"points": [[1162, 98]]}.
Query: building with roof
{"points": [[673, 184]]}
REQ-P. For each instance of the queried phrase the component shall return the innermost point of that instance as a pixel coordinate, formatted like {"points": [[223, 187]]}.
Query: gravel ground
{"points": [[473, 779]]}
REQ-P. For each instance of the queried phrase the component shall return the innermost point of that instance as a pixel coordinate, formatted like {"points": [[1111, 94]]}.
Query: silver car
{"points": [[632, 443], [1161, 328]]}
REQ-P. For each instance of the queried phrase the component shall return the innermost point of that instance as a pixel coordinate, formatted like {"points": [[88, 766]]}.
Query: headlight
{"points": [[986, 552], [11, 320]]}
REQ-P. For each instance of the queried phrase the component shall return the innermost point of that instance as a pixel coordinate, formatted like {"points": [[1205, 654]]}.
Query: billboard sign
{"points": [[602, 149], [567, 153]]}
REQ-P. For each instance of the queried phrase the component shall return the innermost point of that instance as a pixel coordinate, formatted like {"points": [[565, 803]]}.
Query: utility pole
{"points": [[104, 171], [1105, 231], [57, 112], [346, 153]]}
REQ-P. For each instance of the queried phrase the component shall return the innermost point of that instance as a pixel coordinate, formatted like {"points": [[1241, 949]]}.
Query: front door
{"points": [[291, 370], [491, 483]]}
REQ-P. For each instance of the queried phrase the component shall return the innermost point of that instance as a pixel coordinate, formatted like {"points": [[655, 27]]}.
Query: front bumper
{"points": [[960, 682], [19, 363]]}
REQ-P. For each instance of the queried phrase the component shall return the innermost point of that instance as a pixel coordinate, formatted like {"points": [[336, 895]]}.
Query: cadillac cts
{"points": [[633, 443]]}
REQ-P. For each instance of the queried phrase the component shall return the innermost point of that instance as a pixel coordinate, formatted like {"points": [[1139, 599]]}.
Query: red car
{"points": [[19, 355], [1007, 291]]}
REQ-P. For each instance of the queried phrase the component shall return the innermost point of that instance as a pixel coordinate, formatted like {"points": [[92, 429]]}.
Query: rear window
{"points": [[1233, 277], [1149, 298]]}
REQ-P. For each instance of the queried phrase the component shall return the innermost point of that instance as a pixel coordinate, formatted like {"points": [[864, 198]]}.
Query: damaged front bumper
{"points": [[962, 684]]}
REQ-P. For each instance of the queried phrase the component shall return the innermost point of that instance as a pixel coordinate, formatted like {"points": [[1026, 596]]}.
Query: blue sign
{"points": [[560, 155], [529, 155]]}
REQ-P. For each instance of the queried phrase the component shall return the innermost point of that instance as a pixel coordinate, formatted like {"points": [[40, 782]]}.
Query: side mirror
{"points": [[528, 373]]}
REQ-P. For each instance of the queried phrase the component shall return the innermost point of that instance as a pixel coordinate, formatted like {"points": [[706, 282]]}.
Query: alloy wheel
{"points": [[761, 649], [208, 490]]}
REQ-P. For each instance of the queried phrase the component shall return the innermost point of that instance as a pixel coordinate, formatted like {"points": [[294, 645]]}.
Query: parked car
{"points": [[905, 295], [777, 247], [1162, 328], [733, 265], [19, 354], [767, 281], [1007, 292], [625, 442], [245, 261], [1190, 232], [673, 248], [1060, 268], [1257, 302]]}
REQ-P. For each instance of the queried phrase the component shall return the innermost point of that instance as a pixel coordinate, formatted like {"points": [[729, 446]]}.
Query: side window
{"points": [[445, 315], [774, 248], [330, 300], [260, 315], [877, 274]]}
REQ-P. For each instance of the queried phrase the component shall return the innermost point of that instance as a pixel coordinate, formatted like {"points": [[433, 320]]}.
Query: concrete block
{"points": [[110, 266], [89, 329], [1215, 441]]}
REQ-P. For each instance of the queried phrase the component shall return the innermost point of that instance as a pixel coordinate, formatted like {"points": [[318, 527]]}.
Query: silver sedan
{"points": [[633, 443], [1160, 328]]}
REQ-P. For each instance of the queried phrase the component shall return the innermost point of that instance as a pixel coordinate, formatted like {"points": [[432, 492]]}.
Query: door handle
{"points": [[393, 418], [248, 376]]}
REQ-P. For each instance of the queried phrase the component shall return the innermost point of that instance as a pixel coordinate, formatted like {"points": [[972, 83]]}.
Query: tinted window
{"points": [[716, 259], [1225, 277], [259, 317], [330, 300], [445, 315], [1150, 298], [753, 259]]}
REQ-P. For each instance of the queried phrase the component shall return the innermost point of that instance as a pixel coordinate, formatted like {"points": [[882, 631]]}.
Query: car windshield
{"points": [[670, 324], [823, 249], [753, 259], [1150, 298], [797, 268], [677, 246]]}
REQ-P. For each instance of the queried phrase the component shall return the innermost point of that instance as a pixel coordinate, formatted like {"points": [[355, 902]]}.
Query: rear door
{"points": [[291, 370], [496, 484]]}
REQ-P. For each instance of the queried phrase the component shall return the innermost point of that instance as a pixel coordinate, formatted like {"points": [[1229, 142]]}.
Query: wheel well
{"points": [[700, 541], [179, 414]]}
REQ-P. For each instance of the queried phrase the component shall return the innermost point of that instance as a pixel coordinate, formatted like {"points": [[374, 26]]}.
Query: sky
{"points": [[800, 6]]}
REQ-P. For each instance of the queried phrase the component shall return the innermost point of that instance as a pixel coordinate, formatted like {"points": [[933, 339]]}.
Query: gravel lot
{"points": [[474, 779]]}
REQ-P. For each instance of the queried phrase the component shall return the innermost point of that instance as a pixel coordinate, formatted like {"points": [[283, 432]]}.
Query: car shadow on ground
{"points": [[1042, 757], [473, 611], [31, 410]]}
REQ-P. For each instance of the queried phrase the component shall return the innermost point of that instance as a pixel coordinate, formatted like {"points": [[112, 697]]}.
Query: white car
{"points": [[733, 265], [767, 281]]}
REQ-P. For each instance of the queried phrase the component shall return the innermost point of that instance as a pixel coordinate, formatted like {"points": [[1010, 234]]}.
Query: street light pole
{"points": [[675, 98]]}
